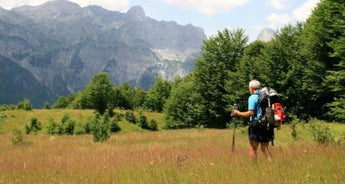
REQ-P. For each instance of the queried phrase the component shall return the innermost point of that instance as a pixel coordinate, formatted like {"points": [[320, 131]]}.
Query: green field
{"points": [[165, 156]]}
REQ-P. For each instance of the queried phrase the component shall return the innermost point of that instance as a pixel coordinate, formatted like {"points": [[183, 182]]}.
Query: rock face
{"points": [[266, 34], [62, 46]]}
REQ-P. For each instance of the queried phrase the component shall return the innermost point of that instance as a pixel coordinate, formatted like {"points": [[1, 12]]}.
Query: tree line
{"points": [[304, 62]]}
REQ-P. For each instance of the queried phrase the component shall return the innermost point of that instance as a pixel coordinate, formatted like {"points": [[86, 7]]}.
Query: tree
{"points": [[97, 93], [182, 108], [157, 95], [322, 31], [220, 56]]}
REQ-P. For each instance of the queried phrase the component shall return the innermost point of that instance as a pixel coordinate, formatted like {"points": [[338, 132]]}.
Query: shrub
{"points": [[24, 105], [2, 117], [53, 127], [18, 139], [142, 121], [34, 126], [67, 125], [100, 128], [320, 132], [153, 125], [294, 131], [79, 129], [129, 116], [114, 127]]}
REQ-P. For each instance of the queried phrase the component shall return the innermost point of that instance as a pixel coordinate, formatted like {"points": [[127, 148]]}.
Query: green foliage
{"points": [[7, 107], [96, 95], [157, 95], [33, 127], [294, 131], [183, 108], [46, 105], [219, 61], [24, 105], [100, 128], [323, 37], [321, 132], [18, 139], [2, 117], [66, 126], [114, 125], [63, 102], [153, 125], [130, 117], [142, 121]]}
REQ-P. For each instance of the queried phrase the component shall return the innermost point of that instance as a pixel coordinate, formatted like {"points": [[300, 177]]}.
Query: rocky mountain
{"points": [[59, 46], [266, 34]]}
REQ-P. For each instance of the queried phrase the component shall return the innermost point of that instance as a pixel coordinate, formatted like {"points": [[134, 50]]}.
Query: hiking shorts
{"points": [[260, 132]]}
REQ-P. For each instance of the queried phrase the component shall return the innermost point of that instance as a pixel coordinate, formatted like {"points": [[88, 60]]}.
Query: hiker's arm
{"points": [[243, 114]]}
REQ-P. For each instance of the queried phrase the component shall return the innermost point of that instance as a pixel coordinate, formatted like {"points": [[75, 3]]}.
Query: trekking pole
{"points": [[234, 127]]}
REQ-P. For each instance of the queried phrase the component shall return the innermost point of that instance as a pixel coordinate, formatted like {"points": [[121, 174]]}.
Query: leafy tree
{"points": [[98, 92], [157, 95], [321, 34], [122, 96], [335, 82], [63, 102], [138, 99], [25, 105], [285, 69], [220, 56], [182, 108]]}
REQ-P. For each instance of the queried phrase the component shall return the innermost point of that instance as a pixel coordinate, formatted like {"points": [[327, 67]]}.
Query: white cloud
{"points": [[208, 7], [303, 12], [278, 20], [119, 5], [278, 4]]}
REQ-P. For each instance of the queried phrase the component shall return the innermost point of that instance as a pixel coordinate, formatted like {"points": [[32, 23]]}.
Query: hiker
{"points": [[257, 134]]}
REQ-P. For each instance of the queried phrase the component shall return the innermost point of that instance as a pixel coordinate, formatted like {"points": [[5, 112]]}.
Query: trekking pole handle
{"points": [[236, 105]]}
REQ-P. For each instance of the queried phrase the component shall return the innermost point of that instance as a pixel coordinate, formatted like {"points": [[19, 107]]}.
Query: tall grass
{"points": [[165, 156], [178, 156]]}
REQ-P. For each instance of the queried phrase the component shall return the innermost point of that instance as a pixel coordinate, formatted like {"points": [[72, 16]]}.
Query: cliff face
{"points": [[63, 45]]}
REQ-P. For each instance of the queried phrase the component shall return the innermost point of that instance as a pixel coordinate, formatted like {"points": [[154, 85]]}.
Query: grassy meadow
{"points": [[165, 156]]}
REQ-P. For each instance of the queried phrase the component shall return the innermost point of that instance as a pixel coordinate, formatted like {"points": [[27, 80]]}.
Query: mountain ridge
{"points": [[63, 45]]}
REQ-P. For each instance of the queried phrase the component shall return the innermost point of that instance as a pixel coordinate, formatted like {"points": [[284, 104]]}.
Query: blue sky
{"points": [[211, 15]]}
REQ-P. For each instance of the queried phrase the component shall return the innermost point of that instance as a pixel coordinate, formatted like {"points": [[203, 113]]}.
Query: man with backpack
{"points": [[258, 133]]}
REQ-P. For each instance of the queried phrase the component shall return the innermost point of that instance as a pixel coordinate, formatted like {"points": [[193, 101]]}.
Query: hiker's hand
{"points": [[235, 112]]}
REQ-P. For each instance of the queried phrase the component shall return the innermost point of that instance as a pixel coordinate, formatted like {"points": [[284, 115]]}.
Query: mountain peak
{"points": [[266, 34], [136, 12]]}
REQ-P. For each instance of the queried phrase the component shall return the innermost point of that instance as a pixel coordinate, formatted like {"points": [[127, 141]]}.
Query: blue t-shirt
{"points": [[254, 105]]}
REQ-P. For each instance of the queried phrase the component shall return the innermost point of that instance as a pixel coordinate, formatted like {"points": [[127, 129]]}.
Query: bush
{"points": [[320, 132], [79, 129], [25, 105], [19, 139], [129, 116], [100, 128], [34, 126], [66, 126], [53, 127], [114, 127], [142, 121], [153, 125]]}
